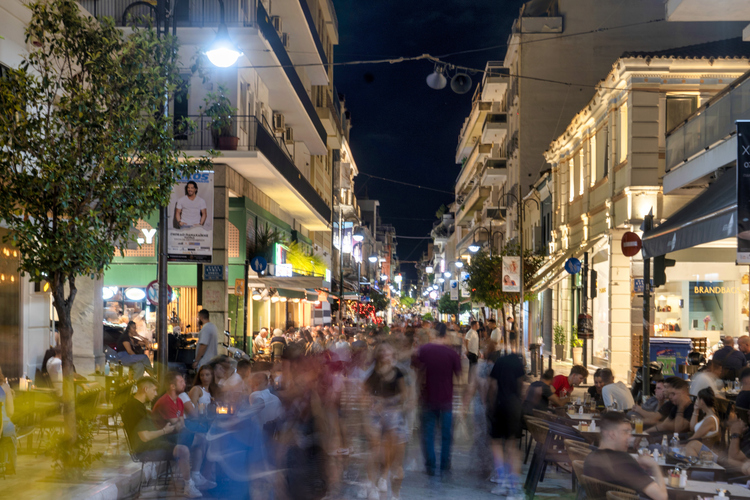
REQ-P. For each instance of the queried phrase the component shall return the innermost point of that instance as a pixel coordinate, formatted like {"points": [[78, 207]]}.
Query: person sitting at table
{"points": [[8, 441], [539, 394], [743, 398], [201, 393], [228, 381], [708, 377], [595, 391], [130, 352], [563, 386], [682, 411], [615, 393], [148, 442], [657, 408], [54, 369], [705, 431], [612, 463], [260, 340], [731, 359], [169, 409]]}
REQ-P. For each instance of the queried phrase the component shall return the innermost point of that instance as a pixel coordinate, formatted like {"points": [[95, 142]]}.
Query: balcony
{"points": [[264, 159], [328, 108], [494, 86], [188, 13], [495, 172], [706, 132], [472, 128], [469, 168], [297, 23], [495, 128]]}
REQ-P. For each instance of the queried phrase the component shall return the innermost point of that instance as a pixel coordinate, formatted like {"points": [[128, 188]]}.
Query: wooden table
{"points": [[706, 489], [584, 416]]}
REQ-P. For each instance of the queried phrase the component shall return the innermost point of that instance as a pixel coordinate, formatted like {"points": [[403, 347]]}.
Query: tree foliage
{"points": [[85, 149], [446, 305], [407, 302], [485, 276], [378, 299]]}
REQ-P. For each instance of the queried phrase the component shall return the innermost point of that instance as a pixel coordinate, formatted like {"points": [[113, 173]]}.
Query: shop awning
{"points": [[290, 283], [312, 295], [291, 294], [549, 272], [709, 217]]}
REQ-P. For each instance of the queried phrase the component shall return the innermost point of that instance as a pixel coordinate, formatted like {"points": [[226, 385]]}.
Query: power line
{"points": [[407, 184], [414, 237]]}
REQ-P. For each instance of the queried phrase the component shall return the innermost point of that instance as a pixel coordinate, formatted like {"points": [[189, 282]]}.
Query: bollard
{"points": [[550, 361]]}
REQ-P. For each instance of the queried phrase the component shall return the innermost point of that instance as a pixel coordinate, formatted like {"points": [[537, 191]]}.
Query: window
{"points": [[679, 108], [582, 169], [623, 142], [571, 179], [181, 108], [599, 153]]}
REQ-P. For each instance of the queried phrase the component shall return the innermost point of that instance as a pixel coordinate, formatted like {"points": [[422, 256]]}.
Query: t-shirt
{"points": [[688, 414], [380, 387], [561, 386], [134, 346], [496, 335], [165, 409], [703, 380], [666, 409], [743, 400], [512, 332], [438, 363], [54, 368], [507, 370], [730, 358], [191, 209], [136, 418], [617, 392], [616, 467], [260, 342], [209, 337], [537, 397], [473, 341], [596, 395]]}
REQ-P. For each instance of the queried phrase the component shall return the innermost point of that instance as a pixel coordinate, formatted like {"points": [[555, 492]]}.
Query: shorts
{"points": [[156, 455], [473, 358], [389, 420], [506, 420]]}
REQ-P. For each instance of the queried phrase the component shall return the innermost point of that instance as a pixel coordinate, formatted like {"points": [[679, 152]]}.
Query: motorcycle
{"points": [[655, 369]]}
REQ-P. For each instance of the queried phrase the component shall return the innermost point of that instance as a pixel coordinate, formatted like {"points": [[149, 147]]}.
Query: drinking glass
{"points": [[639, 426]]}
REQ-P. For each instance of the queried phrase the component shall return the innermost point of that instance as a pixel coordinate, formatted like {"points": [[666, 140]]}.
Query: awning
{"points": [[549, 272], [294, 282], [312, 295], [291, 294], [709, 217]]}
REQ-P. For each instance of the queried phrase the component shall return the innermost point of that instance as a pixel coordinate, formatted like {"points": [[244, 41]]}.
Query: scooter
{"points": [[655, 368]]}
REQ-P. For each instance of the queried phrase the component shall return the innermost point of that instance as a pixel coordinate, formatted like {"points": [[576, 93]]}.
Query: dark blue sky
{"points": [[402, 129]]}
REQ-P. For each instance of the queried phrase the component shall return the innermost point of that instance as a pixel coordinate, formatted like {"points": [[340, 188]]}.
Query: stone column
{"points": [[620, 310], [86, 318], [215, 296]]}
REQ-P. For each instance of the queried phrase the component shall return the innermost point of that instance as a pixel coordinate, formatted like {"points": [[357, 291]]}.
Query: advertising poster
{"points": [[512, 274], [743, 192], [191, 219], [454, 289]]}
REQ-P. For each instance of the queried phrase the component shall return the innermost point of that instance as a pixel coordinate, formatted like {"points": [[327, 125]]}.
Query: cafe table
{"points": [[706, 489], [583, 416], [713, 467], [594, 436]]}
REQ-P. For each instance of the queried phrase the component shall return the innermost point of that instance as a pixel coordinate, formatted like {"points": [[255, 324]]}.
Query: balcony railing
{"points": [[188, 13], [711, 123]]}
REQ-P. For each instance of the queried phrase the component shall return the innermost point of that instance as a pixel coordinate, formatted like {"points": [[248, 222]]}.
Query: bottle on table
{"points": [[674, 444], [737, 384], [664, 445]]}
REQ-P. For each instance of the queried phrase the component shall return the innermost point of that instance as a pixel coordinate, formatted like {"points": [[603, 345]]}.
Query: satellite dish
{"points": [[461, 83], [436, 80]]}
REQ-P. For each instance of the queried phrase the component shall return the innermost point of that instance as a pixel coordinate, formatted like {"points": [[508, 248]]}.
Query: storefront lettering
{"points": [[149, 234], [717, 289]]}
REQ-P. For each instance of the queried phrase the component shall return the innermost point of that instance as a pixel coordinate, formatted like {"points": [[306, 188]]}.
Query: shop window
{"points": [[706, 303], [679, 108]]}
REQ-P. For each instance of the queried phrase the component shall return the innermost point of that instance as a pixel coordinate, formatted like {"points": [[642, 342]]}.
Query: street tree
{"points": [[86, 150], [485, 276], [446, 305]]}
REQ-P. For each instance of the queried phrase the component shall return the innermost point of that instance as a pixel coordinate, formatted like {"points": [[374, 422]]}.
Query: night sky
{"points": [[402, 129]]}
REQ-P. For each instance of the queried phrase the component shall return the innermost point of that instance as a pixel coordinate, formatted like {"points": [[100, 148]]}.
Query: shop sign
{"points": [[743, 192], [465, 292], [716, 289], [213, 272], [239, 287], [283, 270], [454, 289], [191, 219], [511, 274]]}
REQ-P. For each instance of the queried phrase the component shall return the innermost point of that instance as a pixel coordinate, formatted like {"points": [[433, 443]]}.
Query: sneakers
{"points": [[382, 484], [201, 482], [496, 478], [516, 493], [149, 471], [190, 490], [374, 494], [501, 489]]}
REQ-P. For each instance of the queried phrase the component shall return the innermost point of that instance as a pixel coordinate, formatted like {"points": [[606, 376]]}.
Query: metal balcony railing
{"points": [[188, 13], [711, 123]]}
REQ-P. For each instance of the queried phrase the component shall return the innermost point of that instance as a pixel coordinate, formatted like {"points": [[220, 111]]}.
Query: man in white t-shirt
{"points": [[471, 343], [261, 340], [615, 392], [208, 341], [496, 334], [190, 210]]}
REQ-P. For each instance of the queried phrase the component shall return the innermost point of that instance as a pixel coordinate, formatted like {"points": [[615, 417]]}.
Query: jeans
{"points": [[139, 362], [429, 421]]}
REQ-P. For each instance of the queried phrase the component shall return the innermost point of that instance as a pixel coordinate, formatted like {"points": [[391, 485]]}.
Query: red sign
{"points": [[152, 292], [631, 244]]}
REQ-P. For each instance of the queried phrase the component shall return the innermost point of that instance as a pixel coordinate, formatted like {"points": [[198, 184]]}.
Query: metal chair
{"points": [[138, 459], [550, 449]]}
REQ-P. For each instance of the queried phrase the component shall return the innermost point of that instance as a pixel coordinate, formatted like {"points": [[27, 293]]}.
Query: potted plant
{"points": [[219, 108], [559, 341], [576, 346]]}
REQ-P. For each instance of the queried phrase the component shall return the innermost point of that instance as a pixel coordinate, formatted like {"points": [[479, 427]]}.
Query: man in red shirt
{"points": [[169, 409], [563, 386]]}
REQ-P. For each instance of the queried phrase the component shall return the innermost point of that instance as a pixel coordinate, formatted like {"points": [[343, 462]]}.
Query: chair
{"points": [[620, 495], [139, 459], [277, 349], [577, 450], [111, 410], [550, 449], [598, 490]]}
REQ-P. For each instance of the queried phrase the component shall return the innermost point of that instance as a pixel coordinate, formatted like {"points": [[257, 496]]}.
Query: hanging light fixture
{"points": [[436, 80], [222, 52], [373, 258], [459, 264], [474, 248], [358, 235], [429, 269]]}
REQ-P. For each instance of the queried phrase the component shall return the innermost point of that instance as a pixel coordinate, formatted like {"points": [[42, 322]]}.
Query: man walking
{"points": [[208, 340], [437, 364], [471, 344]]}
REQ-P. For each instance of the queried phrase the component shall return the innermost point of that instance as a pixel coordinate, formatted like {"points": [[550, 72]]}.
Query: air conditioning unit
{"points": [[285, 40], [276, 22], [278, 122], [289, 135]]}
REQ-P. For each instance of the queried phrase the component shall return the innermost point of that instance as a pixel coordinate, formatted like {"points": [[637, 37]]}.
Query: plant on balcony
{"points": [[559, 341], [221, 112]]}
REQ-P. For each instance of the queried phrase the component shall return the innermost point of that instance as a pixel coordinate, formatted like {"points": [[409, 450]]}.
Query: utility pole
{"points": [[585, 306], [519, 216], [163, 278], [648, 223]]}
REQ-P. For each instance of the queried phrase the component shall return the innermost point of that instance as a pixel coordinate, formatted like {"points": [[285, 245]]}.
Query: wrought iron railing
{"points": [[188, 13]]}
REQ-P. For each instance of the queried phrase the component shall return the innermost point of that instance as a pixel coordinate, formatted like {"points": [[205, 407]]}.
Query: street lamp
{"points": [[223, 53], [373, 258], [429, 269], [474, 248], [447, 274], [358, 235], [459, 264]]}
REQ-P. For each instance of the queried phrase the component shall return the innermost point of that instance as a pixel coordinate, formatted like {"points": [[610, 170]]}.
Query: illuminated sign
{"points": [[283, 270]]}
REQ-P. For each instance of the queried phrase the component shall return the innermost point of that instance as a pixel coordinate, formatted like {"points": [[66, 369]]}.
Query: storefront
{"points": [[10, 297]]}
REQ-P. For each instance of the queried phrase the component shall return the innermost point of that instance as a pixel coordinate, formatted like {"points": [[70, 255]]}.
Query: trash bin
{"points": [[673, 352], [536, 361]]}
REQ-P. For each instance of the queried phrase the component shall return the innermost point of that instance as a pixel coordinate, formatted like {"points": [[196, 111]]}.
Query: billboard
{"points": [[512, 274], [743, 192], [191, 219]]}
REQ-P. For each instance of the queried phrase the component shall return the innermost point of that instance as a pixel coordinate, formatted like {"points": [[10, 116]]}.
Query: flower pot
{"points": [[577, 355], [560, 352], [228, 143]]}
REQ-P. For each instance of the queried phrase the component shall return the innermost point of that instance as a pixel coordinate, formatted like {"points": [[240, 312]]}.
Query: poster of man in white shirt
{"points": [[191, 214]]}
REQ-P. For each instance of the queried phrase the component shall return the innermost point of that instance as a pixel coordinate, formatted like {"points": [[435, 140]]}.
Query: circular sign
{"points": [[631, 244], [258, 264], [573, 265], [152, 293]]}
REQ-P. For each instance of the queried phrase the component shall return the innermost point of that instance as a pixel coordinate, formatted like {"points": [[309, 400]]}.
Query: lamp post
{"points": [[520, 204], [222, 53]]}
